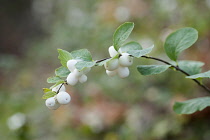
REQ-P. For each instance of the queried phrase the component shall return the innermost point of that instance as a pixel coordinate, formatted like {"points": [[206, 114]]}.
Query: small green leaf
{"points": [[83, 64], [179, 41], [191, 67], [82, 54], [152, 69], [64, 56], [200, 75], [53, 79], [58, 83], [122, 33], [191, 106], [62, 71], [45, 90], [130, 46], [139, 53], [48, 95]]}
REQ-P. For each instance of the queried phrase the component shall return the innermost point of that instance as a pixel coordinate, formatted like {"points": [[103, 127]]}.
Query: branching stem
{"points": [[160, 60], [178, 69]]}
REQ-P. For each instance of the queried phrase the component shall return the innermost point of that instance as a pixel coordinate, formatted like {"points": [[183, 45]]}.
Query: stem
{"points": [[98, 61], [178, 69], [60, 87]]}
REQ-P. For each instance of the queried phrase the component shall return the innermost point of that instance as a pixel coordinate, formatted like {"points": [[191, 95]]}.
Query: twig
{"points": [[178, 69]]}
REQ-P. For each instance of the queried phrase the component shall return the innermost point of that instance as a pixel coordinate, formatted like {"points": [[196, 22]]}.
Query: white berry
{"points": [[111, 65], [56, 106], [112, 51], [83, 78], [125, 60], [71, 64], [123, 72], [72, 79], [111, 73], [55, 89], [63, 98], [77, 73], [50, 101]]}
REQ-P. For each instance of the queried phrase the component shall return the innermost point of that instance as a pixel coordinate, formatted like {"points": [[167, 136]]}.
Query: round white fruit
{"points": [[112, 64], [63, 98], [50, 102], [125, 60], [72, 79], [112, 51], [71, 64], [55, 89], [83, 78], [56, 106], [123, 72], [77, 73], [111, 73]]}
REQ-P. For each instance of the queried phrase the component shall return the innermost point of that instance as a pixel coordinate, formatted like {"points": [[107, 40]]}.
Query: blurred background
{"points": [[136, 108]]}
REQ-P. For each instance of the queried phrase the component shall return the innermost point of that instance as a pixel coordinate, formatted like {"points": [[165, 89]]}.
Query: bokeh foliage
{"points": [[138, 107]]}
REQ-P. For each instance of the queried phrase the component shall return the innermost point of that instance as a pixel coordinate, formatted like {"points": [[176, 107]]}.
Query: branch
{"points": [[178, 69], [60, 87]]}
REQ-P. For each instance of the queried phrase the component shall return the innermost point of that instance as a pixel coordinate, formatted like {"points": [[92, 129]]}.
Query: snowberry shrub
{"points": [[76, 64]]}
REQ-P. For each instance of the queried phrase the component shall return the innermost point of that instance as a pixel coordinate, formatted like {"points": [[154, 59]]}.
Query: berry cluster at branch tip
{"points": [[75, 74], [118, 65], [62, 98]]}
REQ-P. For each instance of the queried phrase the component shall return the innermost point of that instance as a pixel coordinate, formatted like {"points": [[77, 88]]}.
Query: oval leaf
{"points": [[54, 79], [62, 71], [130, 46], [45, 90], [139, 53], [48, 95], [152, 69], [57, 83], [179, 41], [122, 33], [82, 54], [64, 56], [84, 64], [200, 75], [191, 67], [191, 106]]}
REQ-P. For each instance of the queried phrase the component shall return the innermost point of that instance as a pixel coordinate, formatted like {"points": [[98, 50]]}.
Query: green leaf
{"points": [[45, 90], [122, 33], [64, 56], [191, 67], [53, 79], [82, 54], [200, 75], [179, 41], [48, 95], [191, 106], [62, 71], [58, 83], [130, 46], [152, 69], [139, 53], [83, 64]]}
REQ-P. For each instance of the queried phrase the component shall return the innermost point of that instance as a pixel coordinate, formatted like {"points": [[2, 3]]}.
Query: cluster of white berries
{"points": [[62, 98], [75, 74], [118, 65]]}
